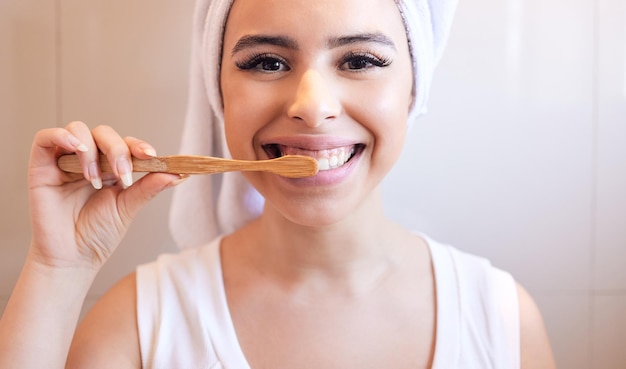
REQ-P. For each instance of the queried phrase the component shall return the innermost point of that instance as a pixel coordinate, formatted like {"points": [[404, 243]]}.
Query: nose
{"points": [[315, 100]]}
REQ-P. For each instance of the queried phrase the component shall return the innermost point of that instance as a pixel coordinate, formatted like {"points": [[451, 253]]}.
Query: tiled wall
{"points": [[121, 63], [27, 103], [521, 158]]}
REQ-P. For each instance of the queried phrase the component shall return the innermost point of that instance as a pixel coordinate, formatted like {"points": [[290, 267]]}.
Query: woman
{"points": [[320, 277]]}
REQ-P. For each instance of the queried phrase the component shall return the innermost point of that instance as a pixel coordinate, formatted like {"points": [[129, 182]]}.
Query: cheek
{"points": [[238, 136], [396, 100], [246, 111], [241, 114], [386, 108]]}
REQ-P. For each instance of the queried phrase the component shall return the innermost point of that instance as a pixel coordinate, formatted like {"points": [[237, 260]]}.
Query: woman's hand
{"points": [[78, 220]]}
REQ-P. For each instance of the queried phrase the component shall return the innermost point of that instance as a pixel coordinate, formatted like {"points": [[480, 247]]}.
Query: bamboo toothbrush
{"points": [[292, 166]]}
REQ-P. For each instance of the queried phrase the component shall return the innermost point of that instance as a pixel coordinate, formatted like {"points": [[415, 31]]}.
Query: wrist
{"points": [[80, 275], [61, 264]]}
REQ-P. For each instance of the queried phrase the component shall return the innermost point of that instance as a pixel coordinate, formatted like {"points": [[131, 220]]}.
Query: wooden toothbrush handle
{"points": [[71, 164]]}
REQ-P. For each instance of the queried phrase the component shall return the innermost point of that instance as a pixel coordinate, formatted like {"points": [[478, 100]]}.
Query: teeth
{"points": [[323, 164], [326, 159], [336, 159]]}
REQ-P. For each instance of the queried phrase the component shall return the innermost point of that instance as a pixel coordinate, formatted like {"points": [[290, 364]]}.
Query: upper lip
{"points": [[310, 143], [306, 146]]}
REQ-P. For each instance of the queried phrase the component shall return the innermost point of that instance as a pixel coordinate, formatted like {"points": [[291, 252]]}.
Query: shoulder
{"points": [[535, 345], [176, 273], [474, 276], [184, 260], [107, 337], [511, 301], [494, 307], [176, 299]]}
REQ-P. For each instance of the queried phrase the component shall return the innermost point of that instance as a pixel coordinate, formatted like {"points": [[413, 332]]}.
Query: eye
{"points": [[264, 63], [363, 61]]}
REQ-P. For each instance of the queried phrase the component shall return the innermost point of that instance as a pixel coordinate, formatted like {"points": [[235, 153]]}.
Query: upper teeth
{"points": [[326, 159], [335, 159]]}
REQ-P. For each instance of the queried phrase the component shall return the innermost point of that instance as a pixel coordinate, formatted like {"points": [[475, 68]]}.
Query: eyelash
{"points": [[253, 62], [371, 60]]}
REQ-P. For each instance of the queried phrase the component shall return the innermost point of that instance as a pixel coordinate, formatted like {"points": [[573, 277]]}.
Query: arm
{"points": [[77, 222], [536, 352], [107, 337], [38, 322]]}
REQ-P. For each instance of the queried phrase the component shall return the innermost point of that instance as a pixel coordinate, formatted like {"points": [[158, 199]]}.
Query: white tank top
{"points": [[184, 321]]}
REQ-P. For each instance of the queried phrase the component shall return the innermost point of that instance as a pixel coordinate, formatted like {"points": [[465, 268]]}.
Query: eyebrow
{"points": [[289, 43], [378, 38], [256, 40]]}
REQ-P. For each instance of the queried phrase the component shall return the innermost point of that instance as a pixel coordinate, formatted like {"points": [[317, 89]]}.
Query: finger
{"points": [[48, 141], [140, 148], [144, 190], [117, 152], [88, 158], [47, 145]]}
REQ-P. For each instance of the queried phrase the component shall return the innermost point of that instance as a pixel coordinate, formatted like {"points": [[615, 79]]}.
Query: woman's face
{"points": [[328, 79]]}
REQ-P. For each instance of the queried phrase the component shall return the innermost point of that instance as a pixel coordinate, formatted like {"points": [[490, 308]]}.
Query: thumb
{"points": [[132, 199]]}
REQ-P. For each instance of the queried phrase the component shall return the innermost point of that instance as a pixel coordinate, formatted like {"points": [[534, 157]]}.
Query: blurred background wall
{"points": [[522, 157]]}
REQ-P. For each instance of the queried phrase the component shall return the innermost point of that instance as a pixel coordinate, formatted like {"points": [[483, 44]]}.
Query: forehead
{"points": [[311, 18]]}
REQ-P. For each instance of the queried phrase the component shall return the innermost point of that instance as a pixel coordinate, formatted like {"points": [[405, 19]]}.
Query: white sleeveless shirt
{"points": [[184, 321]]}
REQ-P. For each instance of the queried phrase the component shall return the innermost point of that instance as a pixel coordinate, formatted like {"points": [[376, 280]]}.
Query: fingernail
{"points": [[176, 182], [96, 183], [125, 171], [94, 176], [77, 144], [148, 151]]}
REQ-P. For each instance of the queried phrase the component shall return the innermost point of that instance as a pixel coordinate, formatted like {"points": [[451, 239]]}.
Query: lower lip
{"points": [[328, 177]]}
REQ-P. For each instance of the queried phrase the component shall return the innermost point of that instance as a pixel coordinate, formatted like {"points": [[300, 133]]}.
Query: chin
{"points": [[315, 213]]}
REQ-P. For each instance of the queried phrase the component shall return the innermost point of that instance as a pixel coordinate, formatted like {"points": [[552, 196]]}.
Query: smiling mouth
{"points": [[327, 159]]}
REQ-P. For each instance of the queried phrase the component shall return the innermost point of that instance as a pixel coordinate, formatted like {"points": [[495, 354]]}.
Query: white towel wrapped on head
{"points": [[206, 206]]}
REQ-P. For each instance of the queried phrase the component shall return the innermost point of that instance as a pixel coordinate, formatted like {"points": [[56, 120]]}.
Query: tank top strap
{"points": [[477, 312]]}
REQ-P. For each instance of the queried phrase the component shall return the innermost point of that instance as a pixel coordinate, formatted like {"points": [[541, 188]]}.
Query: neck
{"points": [[361, 246]]}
